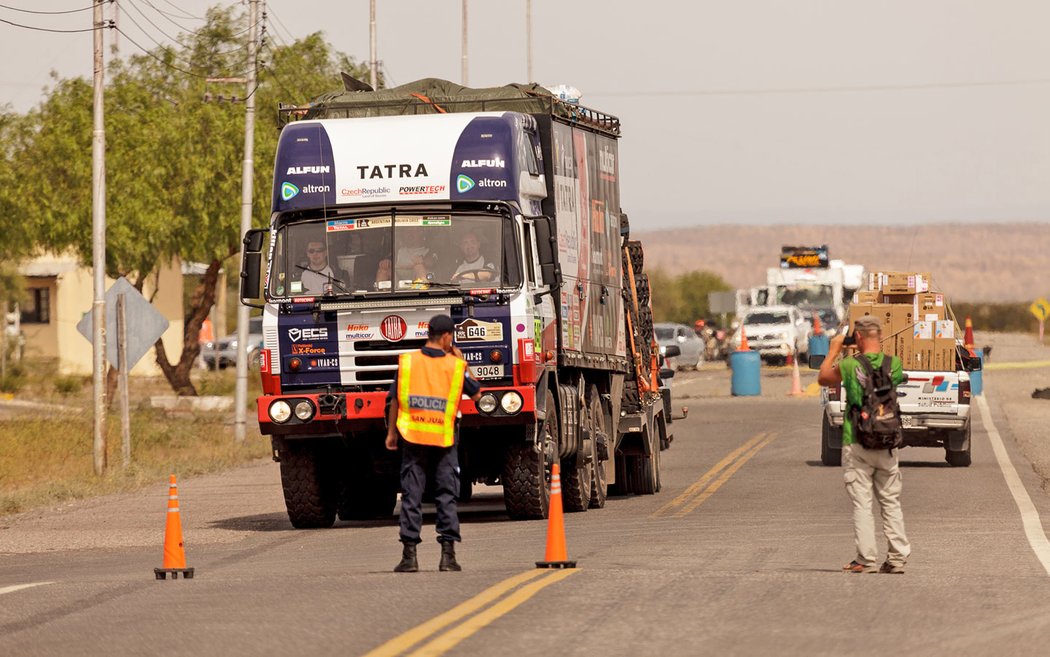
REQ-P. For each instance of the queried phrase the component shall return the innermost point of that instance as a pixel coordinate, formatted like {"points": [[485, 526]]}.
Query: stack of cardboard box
{"points": [[915, 325]]}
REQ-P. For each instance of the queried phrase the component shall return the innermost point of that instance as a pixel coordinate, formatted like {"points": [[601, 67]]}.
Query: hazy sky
{"points": [[746, 111]]}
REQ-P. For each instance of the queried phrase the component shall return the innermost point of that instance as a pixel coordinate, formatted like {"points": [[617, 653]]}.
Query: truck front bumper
{"points": [[340, 412]]}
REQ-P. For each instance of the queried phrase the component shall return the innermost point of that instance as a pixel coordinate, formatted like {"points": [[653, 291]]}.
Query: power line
{"points": [[170, 16], [824, 90], [191, 33], [51, 13], [150, 54], [48, 29], [280, 23], [185, 14]]}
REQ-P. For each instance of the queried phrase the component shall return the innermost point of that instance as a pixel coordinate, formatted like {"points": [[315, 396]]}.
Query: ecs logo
{"points": [[297, 334]]}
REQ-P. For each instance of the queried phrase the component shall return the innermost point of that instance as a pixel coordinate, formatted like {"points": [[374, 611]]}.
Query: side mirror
{"points": [[815, 361], [667, 373], [973, 364], [672, 350], [251, 265], [547, 251]]}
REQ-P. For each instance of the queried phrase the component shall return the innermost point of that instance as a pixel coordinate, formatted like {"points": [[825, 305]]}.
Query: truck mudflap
{"points": [[339, 412]]}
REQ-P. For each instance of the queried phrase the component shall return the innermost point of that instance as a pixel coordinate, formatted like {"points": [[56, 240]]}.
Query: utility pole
{"points": [[373, 76], [98, 247], [240, 397], [115, 48], [464, 43], [528, 41]]}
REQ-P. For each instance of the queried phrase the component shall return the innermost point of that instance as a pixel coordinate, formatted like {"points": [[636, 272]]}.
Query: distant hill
{"points": [[969, 262]]}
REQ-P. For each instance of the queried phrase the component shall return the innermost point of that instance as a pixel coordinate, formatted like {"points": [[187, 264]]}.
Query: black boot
{"points": [[408, 560], [448, 558]]}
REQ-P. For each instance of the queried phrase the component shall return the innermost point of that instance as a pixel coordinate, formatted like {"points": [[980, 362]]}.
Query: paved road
{"points": [[738, 555]]}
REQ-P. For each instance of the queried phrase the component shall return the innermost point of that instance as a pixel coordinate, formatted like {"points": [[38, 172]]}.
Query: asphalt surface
{"points": [[739, 554]]}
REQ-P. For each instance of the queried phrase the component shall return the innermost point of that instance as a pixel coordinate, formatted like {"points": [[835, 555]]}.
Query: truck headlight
{"points": [[511, 403], [487, 403], [280, 411], [304, 410]]}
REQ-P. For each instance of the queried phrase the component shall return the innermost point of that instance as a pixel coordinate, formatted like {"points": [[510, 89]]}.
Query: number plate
{"points": [[906, 422], [486, 371]]}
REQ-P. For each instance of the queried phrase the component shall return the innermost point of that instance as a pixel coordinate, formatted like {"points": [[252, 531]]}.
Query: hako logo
{"points": [[393, 328], [464, 184], [288, 191]]}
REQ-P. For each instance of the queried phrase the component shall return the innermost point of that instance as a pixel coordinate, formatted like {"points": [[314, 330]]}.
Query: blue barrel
{"points": [[977, 378], [819, 344], [747, 366]]}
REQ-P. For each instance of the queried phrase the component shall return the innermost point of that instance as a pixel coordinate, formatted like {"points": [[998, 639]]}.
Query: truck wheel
{"points": [[527, 471], [600, 442], [960, 458], [575, 468], [645, 476], [828, 434], [309, 490]]}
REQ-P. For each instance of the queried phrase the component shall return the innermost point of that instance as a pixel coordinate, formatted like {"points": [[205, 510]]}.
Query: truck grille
{"points": [[375, 361]]}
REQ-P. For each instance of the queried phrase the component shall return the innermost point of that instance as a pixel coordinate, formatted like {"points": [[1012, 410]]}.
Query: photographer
{"points": [[867, 471]]}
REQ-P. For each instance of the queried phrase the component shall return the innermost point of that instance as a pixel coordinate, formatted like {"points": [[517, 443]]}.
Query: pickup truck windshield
{"points": [[766, 318], [374, 254]]}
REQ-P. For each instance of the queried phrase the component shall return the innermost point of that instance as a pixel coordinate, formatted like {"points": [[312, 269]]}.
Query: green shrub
{"points": [[67, 385]]}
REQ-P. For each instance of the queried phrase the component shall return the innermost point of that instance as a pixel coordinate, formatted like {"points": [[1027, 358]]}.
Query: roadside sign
{"points": [[721, 302], [1040, 308], [145, 324]]}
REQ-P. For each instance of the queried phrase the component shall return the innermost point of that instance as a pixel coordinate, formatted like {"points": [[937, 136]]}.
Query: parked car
{"points": [[776, 332], [222, 353], [685, 338]]}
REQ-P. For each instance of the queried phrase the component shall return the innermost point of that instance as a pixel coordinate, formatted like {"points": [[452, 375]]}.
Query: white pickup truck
{"points": [[935, 412]]}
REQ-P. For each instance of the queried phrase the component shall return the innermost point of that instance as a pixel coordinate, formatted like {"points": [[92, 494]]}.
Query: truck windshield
{"points": [[806, 295], [767, 318], [373, 254]]}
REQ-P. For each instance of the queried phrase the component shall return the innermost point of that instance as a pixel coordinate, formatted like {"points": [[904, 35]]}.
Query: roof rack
{"points": [[418, 104]]}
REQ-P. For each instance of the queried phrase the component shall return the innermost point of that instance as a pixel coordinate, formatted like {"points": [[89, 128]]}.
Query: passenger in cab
{"points": [[474, 266]]}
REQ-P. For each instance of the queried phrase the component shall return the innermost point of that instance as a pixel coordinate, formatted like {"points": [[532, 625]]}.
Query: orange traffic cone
{"points": [[968, 341], [796, 379], [556, 556], [174, 554], [743, 341], [818, 328]]}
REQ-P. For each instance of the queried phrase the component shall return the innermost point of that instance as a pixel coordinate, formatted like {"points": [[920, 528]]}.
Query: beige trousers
{"points": [[875, 470]]}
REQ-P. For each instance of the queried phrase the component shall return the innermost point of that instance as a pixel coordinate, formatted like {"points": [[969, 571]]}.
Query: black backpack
{"points": [[877, 421]]}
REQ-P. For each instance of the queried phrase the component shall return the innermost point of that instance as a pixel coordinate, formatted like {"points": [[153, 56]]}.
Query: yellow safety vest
{"points": [[428, 394]]}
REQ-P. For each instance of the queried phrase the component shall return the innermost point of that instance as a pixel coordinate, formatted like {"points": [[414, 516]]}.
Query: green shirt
{"points": [[855, 391]]}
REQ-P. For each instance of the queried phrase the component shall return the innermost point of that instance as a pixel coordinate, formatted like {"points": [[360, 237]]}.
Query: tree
{"points": [[684, 298], [173, 160]]}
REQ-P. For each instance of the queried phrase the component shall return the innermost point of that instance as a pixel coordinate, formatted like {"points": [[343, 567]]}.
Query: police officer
{"points": [[424, 401]]}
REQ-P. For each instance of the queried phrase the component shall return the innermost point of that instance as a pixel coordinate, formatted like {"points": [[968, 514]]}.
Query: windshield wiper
{"points": [[331, 279]]}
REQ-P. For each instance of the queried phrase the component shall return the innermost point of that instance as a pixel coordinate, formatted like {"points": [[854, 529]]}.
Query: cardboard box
{"points": [[944, 345], [905, 350], [856, 310], [896, 282], [930, 304], [867, 296], [902, 318]]}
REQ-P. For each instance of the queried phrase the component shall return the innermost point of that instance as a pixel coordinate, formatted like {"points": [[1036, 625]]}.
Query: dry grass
{"points": [[46, 454]]}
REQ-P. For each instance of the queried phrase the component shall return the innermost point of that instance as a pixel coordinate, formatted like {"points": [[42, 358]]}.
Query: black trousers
{"points": [[440, 465]]}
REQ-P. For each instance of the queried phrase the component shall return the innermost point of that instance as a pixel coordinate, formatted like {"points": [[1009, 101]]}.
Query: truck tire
{"points": [[527, 471], [828, 454], [600, 441], [634, 247], [960, 458], [645, 475], [577, 469], [310, 493]]}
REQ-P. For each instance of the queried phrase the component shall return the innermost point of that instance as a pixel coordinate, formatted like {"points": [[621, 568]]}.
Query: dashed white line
{"points": [[19, 587], [1033, 526]]}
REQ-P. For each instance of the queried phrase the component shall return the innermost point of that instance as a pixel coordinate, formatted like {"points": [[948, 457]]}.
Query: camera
{"points": [[851, 339]]}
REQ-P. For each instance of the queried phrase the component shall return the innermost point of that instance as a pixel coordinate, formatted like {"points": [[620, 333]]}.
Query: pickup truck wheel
{"points": [[527, 471], [829, 434], [309, 490], [961, 458]]}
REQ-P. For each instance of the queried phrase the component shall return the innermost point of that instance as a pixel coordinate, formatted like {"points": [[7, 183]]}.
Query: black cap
{"points": [[440, 325]]}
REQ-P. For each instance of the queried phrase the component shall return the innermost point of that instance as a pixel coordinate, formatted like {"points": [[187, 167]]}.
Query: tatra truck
{"points": [[499, 207]]}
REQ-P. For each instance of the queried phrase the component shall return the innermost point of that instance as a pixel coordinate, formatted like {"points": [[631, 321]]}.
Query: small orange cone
{"points": [[556, 556], [818, 328], [743, 341], [796, 380], [174, 554], [968, 341]]}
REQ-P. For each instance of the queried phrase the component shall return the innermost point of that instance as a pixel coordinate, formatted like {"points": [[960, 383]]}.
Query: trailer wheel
{"points": [[527, 470], [828, 434], [599, 424], [309, 488]]}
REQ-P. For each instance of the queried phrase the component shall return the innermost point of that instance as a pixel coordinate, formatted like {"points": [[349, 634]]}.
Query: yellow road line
{"points": [[707, 477], [710, 490], [403, 642], [1032, 364], [451, 638]]}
